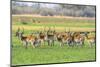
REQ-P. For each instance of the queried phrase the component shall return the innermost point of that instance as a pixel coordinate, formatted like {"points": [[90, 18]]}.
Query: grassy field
{"points": [[54, 54]]}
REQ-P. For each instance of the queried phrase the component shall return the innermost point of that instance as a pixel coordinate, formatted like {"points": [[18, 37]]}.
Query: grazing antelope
{"points": [[90, 39]]}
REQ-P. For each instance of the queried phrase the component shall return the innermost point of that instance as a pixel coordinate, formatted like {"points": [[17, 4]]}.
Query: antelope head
{"points": [[18, 30], [20, 33]]}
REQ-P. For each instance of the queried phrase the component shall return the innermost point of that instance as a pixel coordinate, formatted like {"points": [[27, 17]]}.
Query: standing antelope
{"points": [[50, 37], [64, 38], [31, 39], [90, 39], [78, 39], [42, 38]]}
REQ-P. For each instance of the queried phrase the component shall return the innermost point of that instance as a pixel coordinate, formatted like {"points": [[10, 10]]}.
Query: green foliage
{"points": [[46, 9]]}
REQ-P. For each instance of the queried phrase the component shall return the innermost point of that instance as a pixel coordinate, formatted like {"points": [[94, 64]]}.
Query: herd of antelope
{"points": [[51, 36]]}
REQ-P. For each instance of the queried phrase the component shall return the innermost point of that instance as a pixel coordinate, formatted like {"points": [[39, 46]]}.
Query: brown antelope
{"points": [[33, 40], [60, 38], [42, 37], [78, 39], [66, 38], [90, 39], [50, 37]]}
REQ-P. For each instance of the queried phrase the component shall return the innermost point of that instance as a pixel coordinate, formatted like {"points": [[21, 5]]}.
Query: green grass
{"points": [[87, 25], [64, 22], [54, 54], [50, 54]]}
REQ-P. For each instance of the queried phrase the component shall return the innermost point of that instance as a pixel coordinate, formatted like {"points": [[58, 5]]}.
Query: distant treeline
{"points": [[45, 9]]}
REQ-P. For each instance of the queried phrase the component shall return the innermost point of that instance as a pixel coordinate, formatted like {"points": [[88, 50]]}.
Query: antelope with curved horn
{"points": [[30, 39], [50, 37], [42, 37], [64, 38], [69, 38]]}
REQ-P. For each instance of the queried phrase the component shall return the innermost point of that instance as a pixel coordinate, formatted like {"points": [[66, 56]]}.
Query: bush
{"points": [[25, 23]]}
